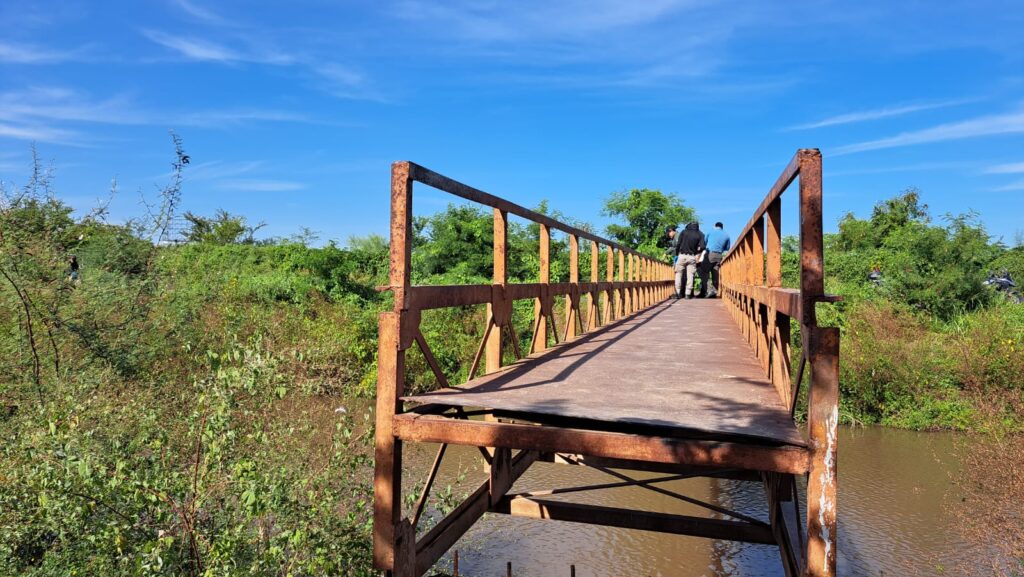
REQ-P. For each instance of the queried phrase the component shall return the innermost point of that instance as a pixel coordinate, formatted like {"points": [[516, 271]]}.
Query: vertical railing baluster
{"points": [[540, 338], [574, 279], [595, 262], [609, 276], [500, 278]]}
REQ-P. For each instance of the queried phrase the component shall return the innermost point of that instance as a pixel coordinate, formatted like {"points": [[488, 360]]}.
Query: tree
{"points": [[222, 228], [646, 213], [935, 268]]}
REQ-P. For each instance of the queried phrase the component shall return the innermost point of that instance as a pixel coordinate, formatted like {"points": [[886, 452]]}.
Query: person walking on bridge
{"points": [[689, 247], [717, 242], [673, 254]]}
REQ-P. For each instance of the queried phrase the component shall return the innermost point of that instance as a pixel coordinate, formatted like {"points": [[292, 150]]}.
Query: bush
{"points": [[215, 479]]}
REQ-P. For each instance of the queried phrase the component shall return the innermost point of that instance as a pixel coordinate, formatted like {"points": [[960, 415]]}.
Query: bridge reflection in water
{"points": [[612, 389]]}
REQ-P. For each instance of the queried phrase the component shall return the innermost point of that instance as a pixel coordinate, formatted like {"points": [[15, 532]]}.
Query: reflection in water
{"points": [[893, 485]]}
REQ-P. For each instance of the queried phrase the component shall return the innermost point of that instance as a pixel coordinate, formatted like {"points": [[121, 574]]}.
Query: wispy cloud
{"points": [[876, 114], [48, 105], [923, 166], [588, 44], [1012, 187], [200, 13], [249, 47], [1012, 123], [40, 134], [217, 169], [533, 19], [220, 118], [60, 104], [257, 185], [1011, 168], [25, 54], [193, 48]]}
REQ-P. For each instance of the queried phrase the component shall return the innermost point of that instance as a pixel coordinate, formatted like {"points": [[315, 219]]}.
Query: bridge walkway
{"points": [[679, 369], [621, 377]]}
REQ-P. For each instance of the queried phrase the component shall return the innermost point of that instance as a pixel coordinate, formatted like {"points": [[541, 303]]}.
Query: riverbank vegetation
{"points": [[196, 407]]}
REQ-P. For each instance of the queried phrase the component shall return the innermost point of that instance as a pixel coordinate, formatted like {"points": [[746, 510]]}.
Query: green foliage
{"points": [[455, 247], [935, 269], [222, 228], [199, 481], [646, 213]]}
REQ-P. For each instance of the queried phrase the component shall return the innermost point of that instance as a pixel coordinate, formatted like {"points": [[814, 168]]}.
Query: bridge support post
{"points": [[822, 424]]}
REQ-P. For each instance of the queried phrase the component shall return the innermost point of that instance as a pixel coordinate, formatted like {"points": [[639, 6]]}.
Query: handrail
{"points": [[633, 281], [751, 275]]}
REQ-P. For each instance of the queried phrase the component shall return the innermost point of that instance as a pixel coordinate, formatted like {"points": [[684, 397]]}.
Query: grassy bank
{"points": [[189, 409]]}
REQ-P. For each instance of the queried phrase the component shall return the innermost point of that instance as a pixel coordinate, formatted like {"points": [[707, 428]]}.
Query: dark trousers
{"points": [[703, 269], [714, 262]]}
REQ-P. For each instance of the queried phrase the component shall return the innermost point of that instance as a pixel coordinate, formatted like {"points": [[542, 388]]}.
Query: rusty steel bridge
{"points": [[612, 385]]}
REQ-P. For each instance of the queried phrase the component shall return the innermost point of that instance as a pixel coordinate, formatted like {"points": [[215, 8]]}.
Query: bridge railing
{"points": [[632, 282], [751, 275]]}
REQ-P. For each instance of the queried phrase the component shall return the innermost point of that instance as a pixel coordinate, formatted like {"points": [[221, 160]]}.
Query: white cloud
{"points": [[248, 46], [21, 54], [52, 104], [537, 19], [1011, 168], [218, 118], [200, 12], [218, 169], [39, 134], [1012, 123], [194, 49], [875, 114], [257, 185], [920, 167], [1013, 186]]}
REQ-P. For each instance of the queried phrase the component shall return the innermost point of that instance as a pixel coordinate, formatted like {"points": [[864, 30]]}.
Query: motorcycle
{"points": [[1003, 283]]}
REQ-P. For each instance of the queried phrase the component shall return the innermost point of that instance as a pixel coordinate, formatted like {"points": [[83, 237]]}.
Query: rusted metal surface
{"points": [[757, 457], [644, 370], [387, 473], [536, 508], [763, 313], [500, 251], [621, 387], [822, 423], [446, 532]]}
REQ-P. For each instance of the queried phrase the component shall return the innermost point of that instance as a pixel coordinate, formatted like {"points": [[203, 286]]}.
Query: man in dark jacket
{"points": [[689, 247]]}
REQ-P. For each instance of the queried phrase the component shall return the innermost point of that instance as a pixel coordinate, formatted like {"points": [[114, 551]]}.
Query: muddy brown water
{"points": [[895, 494]]}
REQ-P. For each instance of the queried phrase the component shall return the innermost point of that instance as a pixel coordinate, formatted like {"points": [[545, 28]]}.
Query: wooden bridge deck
{"points": [[678, 369]]}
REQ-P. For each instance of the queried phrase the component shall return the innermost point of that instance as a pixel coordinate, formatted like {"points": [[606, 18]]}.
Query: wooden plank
{"points": [[539, 508], [434, 429], [634, 372]]}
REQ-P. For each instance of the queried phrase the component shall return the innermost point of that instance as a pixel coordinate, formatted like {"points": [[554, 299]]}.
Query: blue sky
{"points": [[292, 112]]}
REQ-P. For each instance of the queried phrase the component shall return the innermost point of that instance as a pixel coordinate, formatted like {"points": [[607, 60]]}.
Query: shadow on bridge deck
{"points": [[678, 369]]}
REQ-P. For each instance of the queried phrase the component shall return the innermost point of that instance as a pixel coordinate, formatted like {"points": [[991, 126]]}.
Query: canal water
{"points": [[896, 497]]}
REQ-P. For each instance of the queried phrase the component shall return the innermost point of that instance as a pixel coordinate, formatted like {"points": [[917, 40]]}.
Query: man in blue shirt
{"points": [[717, 242]]}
